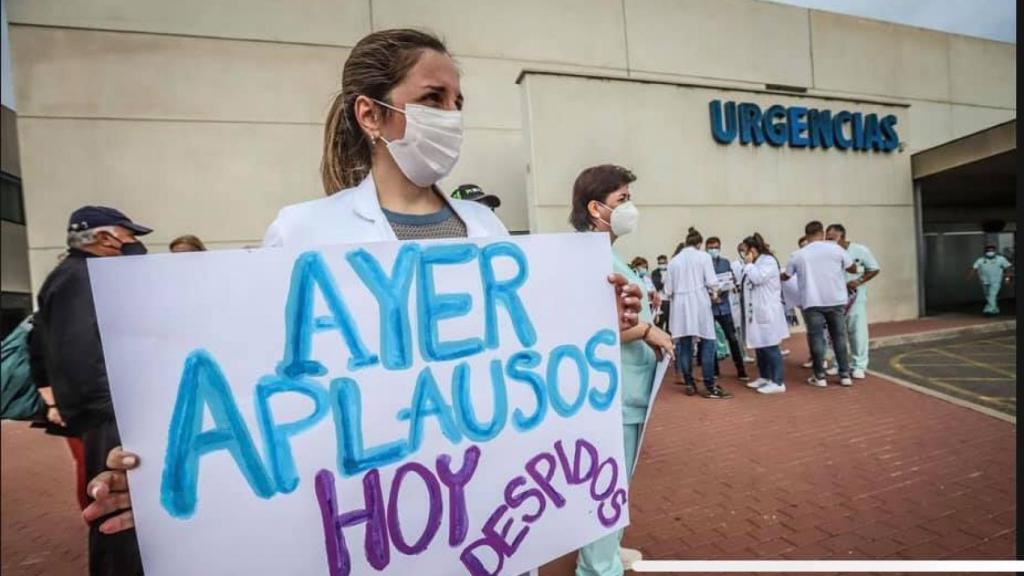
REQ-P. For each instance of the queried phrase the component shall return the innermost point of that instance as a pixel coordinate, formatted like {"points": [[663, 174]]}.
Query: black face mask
{"points": [[136, 248]]}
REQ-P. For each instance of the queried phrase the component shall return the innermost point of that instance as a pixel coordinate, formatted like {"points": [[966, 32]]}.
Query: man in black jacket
{"points": [[68, 355], [658, 279]]}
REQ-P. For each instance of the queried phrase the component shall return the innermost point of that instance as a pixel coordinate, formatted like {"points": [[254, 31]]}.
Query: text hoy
{"points": [[524, 500]]}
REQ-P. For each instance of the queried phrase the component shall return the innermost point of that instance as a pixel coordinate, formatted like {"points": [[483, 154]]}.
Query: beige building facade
{"points": [[206, 116]]}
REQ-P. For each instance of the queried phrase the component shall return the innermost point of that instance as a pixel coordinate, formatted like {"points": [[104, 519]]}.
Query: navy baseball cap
{"points": [[88, 217], [476, 194]]}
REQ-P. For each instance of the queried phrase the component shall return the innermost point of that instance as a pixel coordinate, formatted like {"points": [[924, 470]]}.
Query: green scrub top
{"points": [[990, 270], [638, 359], [865, 261]]}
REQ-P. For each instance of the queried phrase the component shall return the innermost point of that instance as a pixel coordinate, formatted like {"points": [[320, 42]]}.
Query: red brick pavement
{"points": [[875, 471], [870, 472], [43, 532]]}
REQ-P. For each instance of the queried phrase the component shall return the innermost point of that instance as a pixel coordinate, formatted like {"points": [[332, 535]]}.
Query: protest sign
{"points": [[442, 407], [659, 376]]}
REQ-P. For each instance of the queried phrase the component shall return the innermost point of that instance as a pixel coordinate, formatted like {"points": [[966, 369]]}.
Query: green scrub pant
{"points": [[991, 290], [601, 557], [857, 332]]}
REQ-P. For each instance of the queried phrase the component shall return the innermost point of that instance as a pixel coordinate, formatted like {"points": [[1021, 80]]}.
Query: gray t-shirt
{"points": [[444, 223]]}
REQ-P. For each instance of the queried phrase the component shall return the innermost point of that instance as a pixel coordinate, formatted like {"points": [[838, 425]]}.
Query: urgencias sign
{"points": [[800, 127]]}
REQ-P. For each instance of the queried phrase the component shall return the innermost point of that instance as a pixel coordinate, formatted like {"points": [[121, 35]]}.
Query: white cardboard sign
{"points": [[447, 407]]}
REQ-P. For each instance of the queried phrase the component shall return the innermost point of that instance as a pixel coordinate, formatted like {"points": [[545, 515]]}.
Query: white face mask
{"points": [[430, 147], [624, 218]]}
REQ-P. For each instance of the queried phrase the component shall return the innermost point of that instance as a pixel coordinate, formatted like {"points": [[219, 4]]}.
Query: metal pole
{"points": [[919, 242]]}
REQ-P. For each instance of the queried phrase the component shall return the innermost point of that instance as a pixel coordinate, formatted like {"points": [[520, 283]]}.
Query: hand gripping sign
{"points": [[394, 408]]}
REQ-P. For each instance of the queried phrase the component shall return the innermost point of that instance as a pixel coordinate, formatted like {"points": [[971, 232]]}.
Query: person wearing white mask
{"points": [[728, 284], [602, 202], [691, 281], [393, 132], [765, 315]]}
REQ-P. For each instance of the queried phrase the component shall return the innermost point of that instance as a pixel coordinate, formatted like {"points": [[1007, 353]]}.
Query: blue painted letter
{"points": [[275, 436], [392, 301], [434, 307], [311, 272], [602, 400], [353, 457], [464, 412], [504, 292], [203, 385]]}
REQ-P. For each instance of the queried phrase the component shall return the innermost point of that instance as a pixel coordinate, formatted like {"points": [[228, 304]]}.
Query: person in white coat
{"points": [[736, 299], [691, 281], [765, 314], [392, 133]]}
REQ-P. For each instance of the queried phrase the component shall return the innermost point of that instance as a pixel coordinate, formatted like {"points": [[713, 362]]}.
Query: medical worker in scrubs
{"points": [[991, 270], [857, 315], [601, 202]]}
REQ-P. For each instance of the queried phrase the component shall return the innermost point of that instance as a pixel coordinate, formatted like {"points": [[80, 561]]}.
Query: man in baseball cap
{"points": [[476, 194], [67, 358]]}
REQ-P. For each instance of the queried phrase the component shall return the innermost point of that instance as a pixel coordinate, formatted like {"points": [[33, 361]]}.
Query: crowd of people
{"points": [[392, 133], [708, 303]]}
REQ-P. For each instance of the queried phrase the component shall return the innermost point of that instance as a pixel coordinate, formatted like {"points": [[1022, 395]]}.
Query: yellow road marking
{"points": [[954, 378], [897, 363], [978, 364]]}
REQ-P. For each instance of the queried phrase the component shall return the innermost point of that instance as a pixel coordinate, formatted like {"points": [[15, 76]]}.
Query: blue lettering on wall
{"points": [[801, 127]]}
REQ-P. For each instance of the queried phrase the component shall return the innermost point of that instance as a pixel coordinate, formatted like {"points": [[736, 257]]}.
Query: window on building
{"points": [[12, 207], [14, 307]]}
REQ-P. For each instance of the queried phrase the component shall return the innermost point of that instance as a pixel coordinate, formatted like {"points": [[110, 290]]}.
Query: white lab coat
{"points": [[735, 299], [354, 215], [762, 293], [690, 276]]}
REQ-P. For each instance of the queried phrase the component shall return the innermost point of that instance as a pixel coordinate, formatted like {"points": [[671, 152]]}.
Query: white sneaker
{"points": [[808, 364], [846, 381], [629, 557], [817, 383], [785, 352], [757, 383], [859, 374], [832, 370], [772, 388], [748, 360]]}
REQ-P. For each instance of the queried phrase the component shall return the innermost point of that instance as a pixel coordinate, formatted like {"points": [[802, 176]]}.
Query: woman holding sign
{"points": [[601, 202], [392, 133]]}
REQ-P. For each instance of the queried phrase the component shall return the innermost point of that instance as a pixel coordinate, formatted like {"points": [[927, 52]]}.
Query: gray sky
{"points": [[993, 19]]}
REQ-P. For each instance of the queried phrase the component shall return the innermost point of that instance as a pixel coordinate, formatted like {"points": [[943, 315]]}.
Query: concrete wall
{"points": [[686, 179], [205, 116]]}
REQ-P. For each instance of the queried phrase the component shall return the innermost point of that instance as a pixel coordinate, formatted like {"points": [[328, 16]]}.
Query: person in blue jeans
{"points": [[764, 314], [820, 268], [721, 309], [690, 282]]}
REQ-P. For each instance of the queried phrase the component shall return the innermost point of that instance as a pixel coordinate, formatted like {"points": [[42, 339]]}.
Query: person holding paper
{"points": [[736, 300], [658, 278], [766, 318], [691, 282], [601, 202], [722, 309], [392, 133]]}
